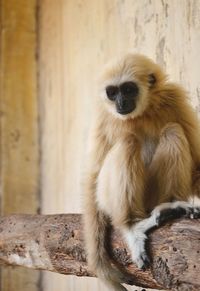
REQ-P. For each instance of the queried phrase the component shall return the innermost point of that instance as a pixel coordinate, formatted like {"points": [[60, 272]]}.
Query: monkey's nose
{"points": [[122, 103], [125, 105]]}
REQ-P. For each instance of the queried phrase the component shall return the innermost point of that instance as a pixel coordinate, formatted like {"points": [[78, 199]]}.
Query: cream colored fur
{"points": [[138, 161]]}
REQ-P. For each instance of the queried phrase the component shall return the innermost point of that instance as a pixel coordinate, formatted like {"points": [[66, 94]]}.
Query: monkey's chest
{"points": [[148, 148]]}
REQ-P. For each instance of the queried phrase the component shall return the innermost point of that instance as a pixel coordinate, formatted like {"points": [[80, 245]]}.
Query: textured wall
{"points": [[76, 38]]}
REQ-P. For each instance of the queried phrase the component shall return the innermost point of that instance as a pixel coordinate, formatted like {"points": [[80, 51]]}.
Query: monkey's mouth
{"points": [[125, 111], [128, 107]]}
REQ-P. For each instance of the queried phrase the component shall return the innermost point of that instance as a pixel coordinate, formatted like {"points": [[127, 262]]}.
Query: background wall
{"points": [[19, 146], [76, 38]]}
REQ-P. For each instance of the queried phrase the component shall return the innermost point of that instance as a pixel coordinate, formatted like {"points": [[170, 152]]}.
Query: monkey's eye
{"points": [[129, 89], [111, 92]]}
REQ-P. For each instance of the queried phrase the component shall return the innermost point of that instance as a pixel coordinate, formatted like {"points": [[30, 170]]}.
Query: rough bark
{"points": [[55, 243]]}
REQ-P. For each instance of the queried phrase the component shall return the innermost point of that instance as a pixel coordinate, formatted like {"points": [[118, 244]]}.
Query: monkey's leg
{"points": [[96, 224], [172, 167], [137, 235], [119, 182]]}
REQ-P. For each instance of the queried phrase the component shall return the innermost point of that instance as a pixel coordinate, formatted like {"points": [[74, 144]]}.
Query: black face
{"points": [[124, 96]]}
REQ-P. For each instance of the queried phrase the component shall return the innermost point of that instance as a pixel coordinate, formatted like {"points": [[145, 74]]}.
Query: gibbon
{"points": [[144, 163]]}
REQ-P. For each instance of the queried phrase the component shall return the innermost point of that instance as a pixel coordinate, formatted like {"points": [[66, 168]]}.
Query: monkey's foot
{"points": [[195, 214], [136, 237], [142, 260], [179, 209]]}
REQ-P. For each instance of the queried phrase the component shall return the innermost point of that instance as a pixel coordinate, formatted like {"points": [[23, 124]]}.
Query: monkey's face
{"points": [[128, 86], [124, 96]]}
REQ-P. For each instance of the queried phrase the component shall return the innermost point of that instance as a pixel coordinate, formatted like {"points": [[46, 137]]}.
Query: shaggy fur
{"points": [[138, 161]]}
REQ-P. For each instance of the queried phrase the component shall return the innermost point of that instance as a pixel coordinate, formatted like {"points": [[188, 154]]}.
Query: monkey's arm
{"points": [[171, 167], [97, 224]]}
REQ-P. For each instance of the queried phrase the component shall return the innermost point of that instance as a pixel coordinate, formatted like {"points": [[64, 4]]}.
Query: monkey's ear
{"points": [[151, 80]]}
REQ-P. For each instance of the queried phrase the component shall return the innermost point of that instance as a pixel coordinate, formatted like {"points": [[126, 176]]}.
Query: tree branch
{"points": [[55, 243]]}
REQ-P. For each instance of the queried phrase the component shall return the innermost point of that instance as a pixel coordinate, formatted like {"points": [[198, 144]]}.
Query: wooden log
{"points": [[55, 243]]}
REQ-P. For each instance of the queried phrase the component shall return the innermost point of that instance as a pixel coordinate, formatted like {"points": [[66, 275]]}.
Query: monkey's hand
{"points": [[137, 236], [136, 239]]}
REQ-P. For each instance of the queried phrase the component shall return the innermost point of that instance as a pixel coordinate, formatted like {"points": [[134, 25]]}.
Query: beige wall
{"points": [[19, 146], [76, 38]]}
